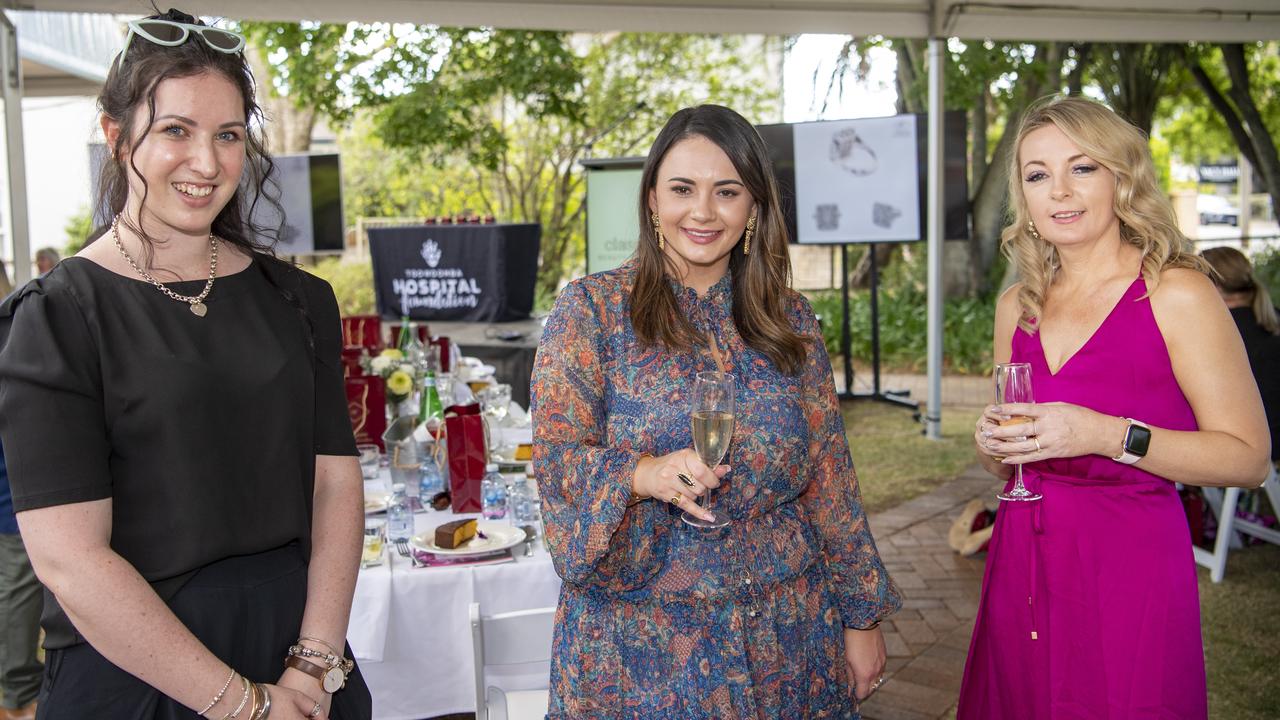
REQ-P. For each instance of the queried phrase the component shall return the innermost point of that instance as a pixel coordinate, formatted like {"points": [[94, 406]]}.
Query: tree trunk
{"points": [[860, 277], [1219, 102], [1264, 146], [978, 126], [1075, 79]]}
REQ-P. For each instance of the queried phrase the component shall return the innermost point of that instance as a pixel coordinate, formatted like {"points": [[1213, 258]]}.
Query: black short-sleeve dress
{"points": [[203, 431]]}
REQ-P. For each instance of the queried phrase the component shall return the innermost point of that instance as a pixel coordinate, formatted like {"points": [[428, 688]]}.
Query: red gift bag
{"points": [[367, 406], [352, 358], [468, 455], [362, 331]]}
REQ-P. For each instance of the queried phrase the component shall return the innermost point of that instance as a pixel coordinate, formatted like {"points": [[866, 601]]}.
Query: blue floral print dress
{"points": [[661, 620]]}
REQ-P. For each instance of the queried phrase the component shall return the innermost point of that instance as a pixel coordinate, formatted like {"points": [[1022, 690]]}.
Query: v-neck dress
{"points": [[1089, 603], [659, 620]]}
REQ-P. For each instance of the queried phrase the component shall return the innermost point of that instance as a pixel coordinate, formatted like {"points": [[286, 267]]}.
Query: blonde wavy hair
{"points": [[1146, 218]]}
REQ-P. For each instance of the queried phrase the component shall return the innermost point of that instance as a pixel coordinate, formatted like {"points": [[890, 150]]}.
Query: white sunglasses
{"points": [[173, 34]]}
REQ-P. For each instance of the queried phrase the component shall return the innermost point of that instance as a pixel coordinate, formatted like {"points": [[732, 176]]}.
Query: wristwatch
{"points": [[1137, 438], [331, 680]]}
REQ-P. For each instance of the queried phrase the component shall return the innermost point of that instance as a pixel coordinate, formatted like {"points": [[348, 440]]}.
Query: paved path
{"points": [[928, 640]]}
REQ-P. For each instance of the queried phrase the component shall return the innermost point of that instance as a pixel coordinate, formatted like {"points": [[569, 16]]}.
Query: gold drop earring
{"points": [[657, 230], [751, 230], [1031, 228]]}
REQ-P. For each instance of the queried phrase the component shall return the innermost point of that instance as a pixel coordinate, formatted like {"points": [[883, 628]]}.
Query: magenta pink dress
{"points": [[1089, 604]]}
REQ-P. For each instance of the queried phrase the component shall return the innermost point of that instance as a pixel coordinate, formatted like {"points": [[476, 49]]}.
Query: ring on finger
{"points": [[675, 499], [684, 478], [315, 711], [876, 685], [1033, 427], [1038, 448]]}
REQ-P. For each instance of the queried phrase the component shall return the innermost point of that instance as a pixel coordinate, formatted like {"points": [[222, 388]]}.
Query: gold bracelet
{"points": [[221, 692], [331, 648]]}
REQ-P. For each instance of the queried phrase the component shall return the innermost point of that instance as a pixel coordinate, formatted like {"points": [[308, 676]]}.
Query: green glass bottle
{"points": [[431, 411]]}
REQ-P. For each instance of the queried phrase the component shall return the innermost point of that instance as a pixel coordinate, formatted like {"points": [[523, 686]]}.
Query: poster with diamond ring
{"points": [[857, 180]]}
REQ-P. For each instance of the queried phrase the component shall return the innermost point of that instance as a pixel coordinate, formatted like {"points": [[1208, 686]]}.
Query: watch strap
{"points": [[305, 666], [1127, 455]]}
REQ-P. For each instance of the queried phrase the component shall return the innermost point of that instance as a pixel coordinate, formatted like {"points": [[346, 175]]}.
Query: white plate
{"points": [[500, 537], [375, 503]]}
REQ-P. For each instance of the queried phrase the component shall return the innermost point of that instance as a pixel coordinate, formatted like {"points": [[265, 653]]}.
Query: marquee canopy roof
{"points": [[1094, 20]]}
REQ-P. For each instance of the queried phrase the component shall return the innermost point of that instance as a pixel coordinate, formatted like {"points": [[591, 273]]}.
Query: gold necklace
{"points": [[198, 308]]}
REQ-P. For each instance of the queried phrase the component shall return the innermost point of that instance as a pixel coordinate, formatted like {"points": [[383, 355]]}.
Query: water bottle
{"points": [[431, 481], [521, 502], [399, 515], [493, 493]]}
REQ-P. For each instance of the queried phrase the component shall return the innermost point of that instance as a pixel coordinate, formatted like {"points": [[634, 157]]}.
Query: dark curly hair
{"points": [[132, 84]]}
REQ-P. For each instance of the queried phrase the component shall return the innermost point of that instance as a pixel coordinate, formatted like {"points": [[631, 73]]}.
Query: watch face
{"points": [[1137, 441], [333, 680]]}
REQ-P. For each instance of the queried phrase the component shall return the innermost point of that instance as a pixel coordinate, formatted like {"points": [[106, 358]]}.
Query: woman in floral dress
{"points": [[775, 615]]}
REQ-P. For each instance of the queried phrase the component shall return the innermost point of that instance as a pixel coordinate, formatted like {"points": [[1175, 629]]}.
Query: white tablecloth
{"points": [[411, 634]]}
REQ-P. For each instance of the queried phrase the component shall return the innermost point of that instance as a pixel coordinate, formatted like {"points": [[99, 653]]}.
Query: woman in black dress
{"points": [[1256, 317], [172, 408]]}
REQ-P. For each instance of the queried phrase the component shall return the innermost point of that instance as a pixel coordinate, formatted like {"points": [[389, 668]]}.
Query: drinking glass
{"points": [[374, 532], [370, 459], [712, 423], [1013, 385], [495, 401]]}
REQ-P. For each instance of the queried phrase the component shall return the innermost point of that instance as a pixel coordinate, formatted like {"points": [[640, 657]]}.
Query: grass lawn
{"points": [[894, 460], [1241, 621]]}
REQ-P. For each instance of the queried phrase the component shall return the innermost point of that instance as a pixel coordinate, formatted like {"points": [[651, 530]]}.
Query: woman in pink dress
{"points": [[1089, 604]]}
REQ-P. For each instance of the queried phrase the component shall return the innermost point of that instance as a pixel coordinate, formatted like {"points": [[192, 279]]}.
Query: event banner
{"points": [[857, 180], [468, 273]]}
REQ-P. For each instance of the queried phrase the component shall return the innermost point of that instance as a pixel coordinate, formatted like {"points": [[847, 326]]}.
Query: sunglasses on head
{"points": [[173, 34]]}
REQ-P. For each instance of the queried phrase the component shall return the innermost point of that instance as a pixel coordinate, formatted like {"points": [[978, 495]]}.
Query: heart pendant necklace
{"points": [[195, 302]]}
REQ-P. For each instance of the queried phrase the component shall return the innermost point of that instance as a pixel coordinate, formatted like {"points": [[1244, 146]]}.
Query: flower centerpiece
{"points": [[401, 378]]}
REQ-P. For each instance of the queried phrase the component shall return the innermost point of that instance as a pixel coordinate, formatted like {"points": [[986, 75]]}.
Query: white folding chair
{"points": [[1223, 505], [509, 641]]}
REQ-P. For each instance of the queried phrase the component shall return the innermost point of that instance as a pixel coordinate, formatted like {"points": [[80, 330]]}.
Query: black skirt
{"points": [[246, 610]]}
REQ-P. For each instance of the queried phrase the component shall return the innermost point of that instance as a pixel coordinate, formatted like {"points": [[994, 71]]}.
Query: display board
{"points": [[613, 187], [473, 273], [857, 181]]}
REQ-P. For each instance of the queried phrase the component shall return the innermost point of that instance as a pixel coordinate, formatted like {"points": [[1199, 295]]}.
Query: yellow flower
{"points": [[400, 383], [393, 353]]}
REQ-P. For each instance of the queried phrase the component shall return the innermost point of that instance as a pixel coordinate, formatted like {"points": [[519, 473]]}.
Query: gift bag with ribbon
{"points": [[468, 442], [367, 406]]}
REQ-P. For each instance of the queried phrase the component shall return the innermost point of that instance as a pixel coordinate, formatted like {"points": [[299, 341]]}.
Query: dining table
{"points": [[410, 628]]}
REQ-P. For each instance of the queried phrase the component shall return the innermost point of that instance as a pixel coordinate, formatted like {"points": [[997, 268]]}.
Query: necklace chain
{"points": [[193, 300]]}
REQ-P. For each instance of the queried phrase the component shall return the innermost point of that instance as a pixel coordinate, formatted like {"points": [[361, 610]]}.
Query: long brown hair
{"points": [[132, 84], [760, 280], [1146, 217], [1232, 273]]}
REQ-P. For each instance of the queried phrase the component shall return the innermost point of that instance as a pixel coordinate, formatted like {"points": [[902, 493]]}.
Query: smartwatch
{"points": [[1137, 438]]}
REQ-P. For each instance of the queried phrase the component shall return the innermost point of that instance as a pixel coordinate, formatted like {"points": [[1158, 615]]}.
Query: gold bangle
{"points": [[330, 648]]}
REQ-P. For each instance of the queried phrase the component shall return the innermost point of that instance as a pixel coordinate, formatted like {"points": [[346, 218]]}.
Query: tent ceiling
{"points": [[1098, 20]]}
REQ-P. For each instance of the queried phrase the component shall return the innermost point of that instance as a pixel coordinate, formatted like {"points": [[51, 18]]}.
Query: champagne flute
{"points": [[712, 422], [1013, 385]]}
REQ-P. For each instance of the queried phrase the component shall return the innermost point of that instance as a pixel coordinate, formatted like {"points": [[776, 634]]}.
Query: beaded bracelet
{"points": [[333, 661], [221, 692], [248, 689]]}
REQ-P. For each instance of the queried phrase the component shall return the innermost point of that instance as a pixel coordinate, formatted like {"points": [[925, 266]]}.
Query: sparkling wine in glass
{"points": [[712, 424], [1013, 385]]}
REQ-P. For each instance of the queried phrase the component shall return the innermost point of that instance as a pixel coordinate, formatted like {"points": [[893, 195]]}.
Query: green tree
{"points": [[1240, 82], [495, 121]]}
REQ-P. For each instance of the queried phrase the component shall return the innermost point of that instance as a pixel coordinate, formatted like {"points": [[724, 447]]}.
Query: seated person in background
{"points": [[1251, 308], [46, 258]]}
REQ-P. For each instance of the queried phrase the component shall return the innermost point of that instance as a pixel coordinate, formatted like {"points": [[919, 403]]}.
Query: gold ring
{"points": [[315, 711], [1038, 448], [688, 481], [675, 500]]}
